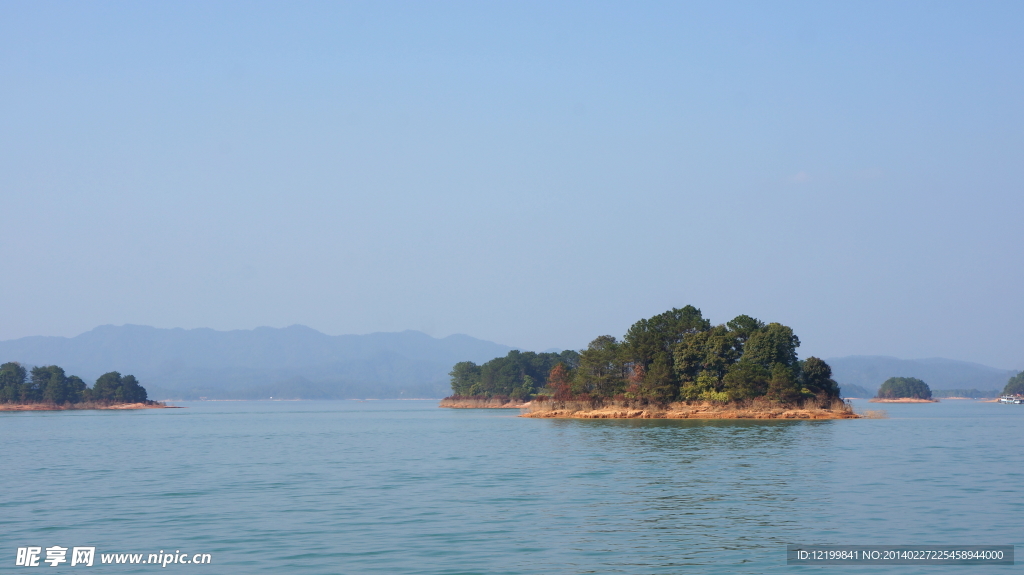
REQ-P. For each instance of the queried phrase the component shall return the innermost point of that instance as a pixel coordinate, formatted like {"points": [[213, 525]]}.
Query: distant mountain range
{"points": [[295, 362], [298, 362], [861, 375]]}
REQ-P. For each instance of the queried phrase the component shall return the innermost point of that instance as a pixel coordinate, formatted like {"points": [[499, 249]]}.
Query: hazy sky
{"points": [[535, 174]]}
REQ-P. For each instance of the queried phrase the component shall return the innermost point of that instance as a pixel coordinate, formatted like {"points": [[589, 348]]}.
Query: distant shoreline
{"points": [[904, 400], [315, 399], [82, 407]]}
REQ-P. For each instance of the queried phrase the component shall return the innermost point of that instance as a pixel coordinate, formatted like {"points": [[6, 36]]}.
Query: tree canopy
{"points": [[50, 385], [677, 355], [1015, 386], [904, 388], [518, 375]]}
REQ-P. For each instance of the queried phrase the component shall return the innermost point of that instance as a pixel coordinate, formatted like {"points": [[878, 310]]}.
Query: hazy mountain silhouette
{"points": [[298, 362], [869, 371], [295, 362], [854, 390]]}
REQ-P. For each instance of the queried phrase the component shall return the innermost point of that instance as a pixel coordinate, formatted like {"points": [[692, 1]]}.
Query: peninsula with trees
{"points": [[675, 365], [1015, 386], [48, 388]]}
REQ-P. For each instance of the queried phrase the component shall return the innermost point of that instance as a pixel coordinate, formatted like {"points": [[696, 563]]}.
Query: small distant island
{"points": [[48, 388], [675, 365], [904, 390]]}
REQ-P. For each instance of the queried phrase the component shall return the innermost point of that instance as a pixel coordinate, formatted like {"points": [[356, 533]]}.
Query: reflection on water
{"points": [[731, 485]]}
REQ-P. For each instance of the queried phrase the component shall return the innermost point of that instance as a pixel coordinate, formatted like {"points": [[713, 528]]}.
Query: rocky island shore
{"points": [[703, 410], [79, 406]]}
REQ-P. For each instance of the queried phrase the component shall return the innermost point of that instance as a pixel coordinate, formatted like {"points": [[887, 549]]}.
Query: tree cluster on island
{"points": [[519, 375], [50, 385], [1015, 386], [904, 388], [674, 356]]}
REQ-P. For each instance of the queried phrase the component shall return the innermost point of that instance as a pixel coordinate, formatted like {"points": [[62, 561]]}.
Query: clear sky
{"points": [[535, 174]]}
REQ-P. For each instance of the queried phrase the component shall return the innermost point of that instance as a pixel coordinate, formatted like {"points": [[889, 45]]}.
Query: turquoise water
{"points": [[404, 487]]}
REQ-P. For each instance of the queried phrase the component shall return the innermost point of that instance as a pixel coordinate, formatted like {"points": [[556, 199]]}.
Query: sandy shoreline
{"points": [[697, 411], [76, 407], [574, 410]]}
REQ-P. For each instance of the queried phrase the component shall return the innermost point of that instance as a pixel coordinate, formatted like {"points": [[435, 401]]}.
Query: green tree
{"points": [[904, 387], [569, 358], [816, 376], [772, 344], [31, 390], [49, 384], [650, 338], [707, 386], [713, 350], [783, 385], [659, 384], [106, 388], [131, 391], [1013, 387], [745, 380], [742, 327], [465, 378], [12, 379], [650, 344], [76, 389], [602, 370], [524, 391]]}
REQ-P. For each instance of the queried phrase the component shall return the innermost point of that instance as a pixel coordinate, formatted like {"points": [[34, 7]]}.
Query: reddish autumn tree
{"points": [[636, 381], [558, 381]]}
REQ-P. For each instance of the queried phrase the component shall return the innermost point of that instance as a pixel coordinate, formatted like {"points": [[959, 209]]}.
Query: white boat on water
{"points": [[1011, 399]]}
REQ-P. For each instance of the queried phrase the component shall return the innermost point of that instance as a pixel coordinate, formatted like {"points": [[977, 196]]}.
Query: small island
{"points": [[904, 390], [48, 388], [675, 365]]}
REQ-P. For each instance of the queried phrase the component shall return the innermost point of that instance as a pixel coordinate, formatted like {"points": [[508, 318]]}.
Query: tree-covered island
{"points": [[675, 364], [904, 390], [48, 387]]}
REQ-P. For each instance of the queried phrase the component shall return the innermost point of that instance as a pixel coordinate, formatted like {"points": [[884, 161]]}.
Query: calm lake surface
{"points": [[404, 487]]}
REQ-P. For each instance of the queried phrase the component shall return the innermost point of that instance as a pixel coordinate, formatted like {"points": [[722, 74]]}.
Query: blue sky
{"points": [[535, 174]]}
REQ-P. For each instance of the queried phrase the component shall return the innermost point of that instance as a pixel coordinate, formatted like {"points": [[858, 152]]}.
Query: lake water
{"points": [[402, 487]]}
